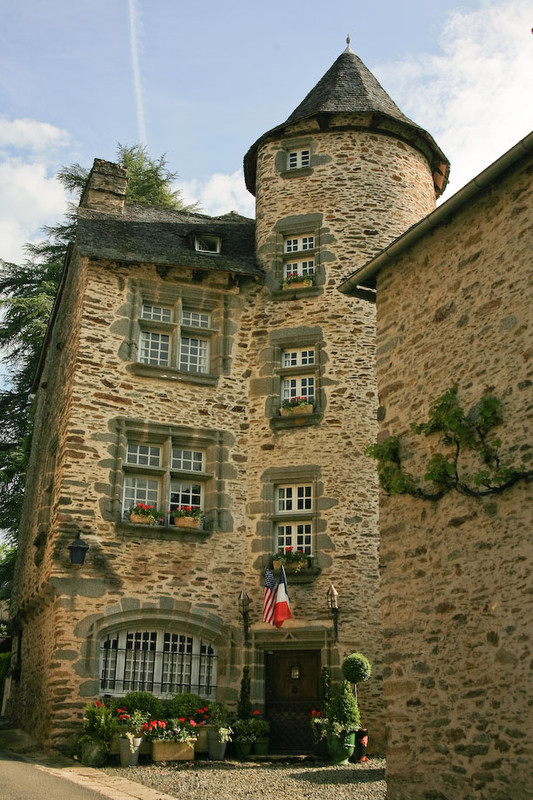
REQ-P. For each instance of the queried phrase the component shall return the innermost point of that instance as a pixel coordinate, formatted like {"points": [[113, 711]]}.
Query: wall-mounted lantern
{"points": [[244, 605], [333, 604], [78, 550]]}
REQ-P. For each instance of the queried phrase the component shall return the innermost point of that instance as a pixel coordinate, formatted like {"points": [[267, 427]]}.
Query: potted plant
{"points": [[172, 740], [342, 723], [295, 406], [141, 514], [295, 281], [100, 723], [219, 733], [261, 731], [356, 668], [292, 560], [187, 516], [130, 736], [244, 737]]}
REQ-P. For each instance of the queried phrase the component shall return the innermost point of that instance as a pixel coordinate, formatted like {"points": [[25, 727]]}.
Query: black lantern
{"points": [[244, 605], [333, 603], [78, 550]]}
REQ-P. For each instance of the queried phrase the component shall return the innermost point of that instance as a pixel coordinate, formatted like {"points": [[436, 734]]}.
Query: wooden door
{"points": [[292, 692]]}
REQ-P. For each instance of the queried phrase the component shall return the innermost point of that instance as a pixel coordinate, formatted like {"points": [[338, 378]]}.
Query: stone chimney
{"points": [[106, 187]]}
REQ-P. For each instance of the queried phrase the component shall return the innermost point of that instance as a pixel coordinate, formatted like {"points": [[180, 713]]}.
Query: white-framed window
{"points": [[297, 159], [157, 313], [298, 535], [207, 243], [159, 661], [304, 269], [289, 499], [166, 338], [141, 490], [194, 354], [185, 493], [298, 357], [301, 386], [170, 484], [295, 244]]}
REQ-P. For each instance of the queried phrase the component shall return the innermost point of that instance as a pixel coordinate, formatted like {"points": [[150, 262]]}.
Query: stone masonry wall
{"points": [[456, 574]]}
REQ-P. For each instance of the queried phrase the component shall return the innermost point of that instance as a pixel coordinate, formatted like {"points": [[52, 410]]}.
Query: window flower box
{"points": [[304, 283], [136, 519], [297, 411], [187, 522]]}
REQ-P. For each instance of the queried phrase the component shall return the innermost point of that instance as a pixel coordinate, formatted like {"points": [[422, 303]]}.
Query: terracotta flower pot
{"points": [[138, 519], [297, 411], [187, 522]]}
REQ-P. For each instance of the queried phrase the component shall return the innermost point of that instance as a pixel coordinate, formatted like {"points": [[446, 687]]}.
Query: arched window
{"points": [[157, 661]]}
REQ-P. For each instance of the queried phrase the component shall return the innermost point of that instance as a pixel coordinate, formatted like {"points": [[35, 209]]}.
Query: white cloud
{"points": [[476, 97], [219, 194], [30, 196], [29, 134]]}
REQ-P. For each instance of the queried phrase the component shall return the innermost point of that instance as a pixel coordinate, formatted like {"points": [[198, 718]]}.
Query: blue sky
{"points": [[202, 83]]}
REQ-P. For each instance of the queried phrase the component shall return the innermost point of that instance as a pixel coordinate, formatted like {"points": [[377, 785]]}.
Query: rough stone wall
{"points": [[456, 574], [362, 190], [45, 531]]}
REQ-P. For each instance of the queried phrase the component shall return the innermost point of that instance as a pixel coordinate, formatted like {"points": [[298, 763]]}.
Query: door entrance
{"points": [[292, 691]]}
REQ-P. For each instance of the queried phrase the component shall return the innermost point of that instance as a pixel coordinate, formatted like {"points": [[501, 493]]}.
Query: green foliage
{"points": [[5, 663], [459, 431], [100, 721], [325, 689], [244, 730], [28, 292], [244, 706], [141, 701], [8, 555], [356, 668], [186, 705], [343, 711]]}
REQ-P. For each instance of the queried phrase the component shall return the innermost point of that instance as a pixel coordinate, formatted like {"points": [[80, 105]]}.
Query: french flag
{"points": [[282, 610]]}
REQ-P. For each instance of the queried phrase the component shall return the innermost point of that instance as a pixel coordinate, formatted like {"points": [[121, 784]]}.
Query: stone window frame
{"points": [[307, 225], [213, 443], [297, 339], [294, 475], [177, 297], [295, 145]]}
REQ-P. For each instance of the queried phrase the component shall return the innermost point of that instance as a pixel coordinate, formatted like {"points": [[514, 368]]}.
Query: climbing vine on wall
{"points": [[459, 431]]}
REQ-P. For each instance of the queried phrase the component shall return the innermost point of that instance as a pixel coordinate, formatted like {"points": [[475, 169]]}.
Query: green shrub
{"points": [[141, 701], [356, 668], [185, 705], [343, 711], [244, 706]]}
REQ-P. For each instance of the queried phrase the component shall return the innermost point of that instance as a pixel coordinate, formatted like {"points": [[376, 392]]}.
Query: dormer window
{"points": [[298, 159], [207, 244]]}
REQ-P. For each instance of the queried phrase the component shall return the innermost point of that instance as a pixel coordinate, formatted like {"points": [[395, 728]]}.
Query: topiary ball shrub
{"points": [[186, 705], [356, 668], [145, 702]]}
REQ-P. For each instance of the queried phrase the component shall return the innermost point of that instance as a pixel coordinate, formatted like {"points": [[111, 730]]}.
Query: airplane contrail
{"points": [[133, 7]]}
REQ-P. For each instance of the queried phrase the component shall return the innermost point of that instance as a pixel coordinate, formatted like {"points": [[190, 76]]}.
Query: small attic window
{"points": [[207, 244]]}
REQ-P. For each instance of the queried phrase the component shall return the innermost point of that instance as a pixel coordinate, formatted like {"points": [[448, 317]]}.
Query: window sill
{"points": [[297, 421], [169, 533], [305, 575], [171, 374], [293, 294], [297, 172]]}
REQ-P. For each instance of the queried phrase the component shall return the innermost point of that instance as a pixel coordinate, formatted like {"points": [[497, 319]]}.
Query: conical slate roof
{"points": [[348, 87]]}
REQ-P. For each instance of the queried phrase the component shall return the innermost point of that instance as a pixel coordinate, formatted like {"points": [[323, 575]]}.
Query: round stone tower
{"points": [[350, 155], [345, 175]]}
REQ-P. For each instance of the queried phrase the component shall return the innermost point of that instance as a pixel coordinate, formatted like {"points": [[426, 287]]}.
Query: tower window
{"points": [[297, 159]]}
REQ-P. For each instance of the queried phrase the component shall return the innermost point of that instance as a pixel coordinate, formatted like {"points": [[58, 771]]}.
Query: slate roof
{"points": [[349, 87], [162, 236]]}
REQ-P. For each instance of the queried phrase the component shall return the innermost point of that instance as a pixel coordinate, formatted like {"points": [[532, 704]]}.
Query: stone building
{"points": [[175, 342], [454, 300]]}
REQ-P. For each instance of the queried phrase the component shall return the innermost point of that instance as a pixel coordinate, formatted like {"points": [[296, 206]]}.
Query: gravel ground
{"points": [[229, 780]]}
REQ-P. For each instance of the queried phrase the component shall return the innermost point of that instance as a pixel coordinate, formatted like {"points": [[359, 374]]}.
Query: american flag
{"points": [[269, 598]]}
